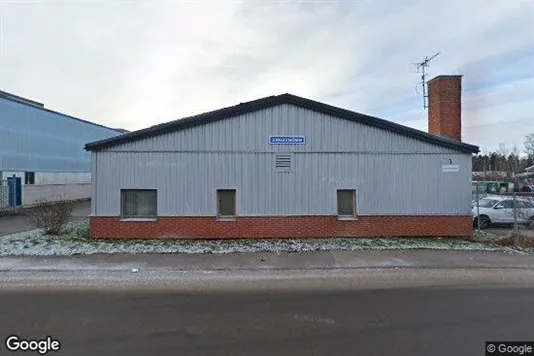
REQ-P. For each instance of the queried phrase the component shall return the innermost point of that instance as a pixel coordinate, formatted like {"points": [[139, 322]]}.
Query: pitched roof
{"points": [[20, 99], [275, 100]]}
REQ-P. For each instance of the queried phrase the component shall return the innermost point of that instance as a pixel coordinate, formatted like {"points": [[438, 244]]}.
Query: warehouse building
{"points": [[42, 152], [287, 167]]}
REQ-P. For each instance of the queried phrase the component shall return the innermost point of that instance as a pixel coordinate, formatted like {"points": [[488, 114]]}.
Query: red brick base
{"points": [[283, 227]]}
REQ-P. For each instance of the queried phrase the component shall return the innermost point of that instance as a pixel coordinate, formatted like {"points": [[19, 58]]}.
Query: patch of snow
{"points": [[75, 242]]}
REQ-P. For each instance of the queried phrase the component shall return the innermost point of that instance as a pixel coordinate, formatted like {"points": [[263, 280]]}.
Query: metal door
{"points": [[15, 191]]}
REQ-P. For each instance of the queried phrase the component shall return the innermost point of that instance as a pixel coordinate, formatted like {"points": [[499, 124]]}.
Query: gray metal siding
{"points": [[94, 180], [250, 132], [393, 174], [36, 140], [387, 184]]}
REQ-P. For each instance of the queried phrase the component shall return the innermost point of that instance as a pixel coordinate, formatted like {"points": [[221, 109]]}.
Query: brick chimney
{"points": [[445, 106]]}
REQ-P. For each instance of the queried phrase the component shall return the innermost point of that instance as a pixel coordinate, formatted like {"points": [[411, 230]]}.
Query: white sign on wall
{"points": [[450, 168]]}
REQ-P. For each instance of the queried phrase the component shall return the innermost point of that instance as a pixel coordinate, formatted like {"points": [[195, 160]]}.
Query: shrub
{"points": [[51, 217], [505, 241], [525, 238]]}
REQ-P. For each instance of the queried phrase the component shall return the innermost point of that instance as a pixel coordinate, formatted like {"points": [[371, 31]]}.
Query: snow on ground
{"points": [[76, 241]]}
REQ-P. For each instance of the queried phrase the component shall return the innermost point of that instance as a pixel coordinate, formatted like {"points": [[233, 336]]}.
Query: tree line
{"points": [[504, 160]]}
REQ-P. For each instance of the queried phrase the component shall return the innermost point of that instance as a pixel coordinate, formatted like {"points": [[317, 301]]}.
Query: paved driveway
{"points": [[18, 223]]}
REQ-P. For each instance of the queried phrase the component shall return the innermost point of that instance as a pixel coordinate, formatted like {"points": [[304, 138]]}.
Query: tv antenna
{"points": [[420, 68]]}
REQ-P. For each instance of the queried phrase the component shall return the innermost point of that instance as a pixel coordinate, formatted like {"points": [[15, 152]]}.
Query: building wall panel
{"points": [[55, 192], [250, 132], [387, 183], [45, 178], [39, 140], [62, 178], [393, 174]]}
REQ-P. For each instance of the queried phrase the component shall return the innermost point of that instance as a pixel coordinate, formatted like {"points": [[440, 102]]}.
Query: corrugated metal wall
{"points": [[52, 177], [250, 133], [394, 175], [387, 184], [37, 140]]}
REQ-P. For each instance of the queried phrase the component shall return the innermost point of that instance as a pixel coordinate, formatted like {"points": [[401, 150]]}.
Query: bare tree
{"points": [[51, 217], [503, 150], [502, 153], [529, 145], [514, 159]]}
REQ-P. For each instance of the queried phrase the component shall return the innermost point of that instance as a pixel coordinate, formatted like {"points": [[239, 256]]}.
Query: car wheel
{"points": [[484, 222]]}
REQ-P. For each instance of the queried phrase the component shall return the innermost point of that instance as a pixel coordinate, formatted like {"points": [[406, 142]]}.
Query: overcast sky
{"points": [[133, 64]]}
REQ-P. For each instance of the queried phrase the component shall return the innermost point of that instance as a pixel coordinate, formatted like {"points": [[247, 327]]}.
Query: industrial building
{"points": [[42, 152], [287, 167]]}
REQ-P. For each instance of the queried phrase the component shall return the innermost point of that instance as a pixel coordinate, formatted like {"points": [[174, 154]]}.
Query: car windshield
{"points": [[487, 203]]}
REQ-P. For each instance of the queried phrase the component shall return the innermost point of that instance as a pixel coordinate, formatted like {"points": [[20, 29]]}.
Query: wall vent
{"points": [[283, 162]]}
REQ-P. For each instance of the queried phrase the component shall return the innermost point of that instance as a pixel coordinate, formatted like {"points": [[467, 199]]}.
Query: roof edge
{"points": [[448, 76], [57, 113], [20, 99], [270, 101]]}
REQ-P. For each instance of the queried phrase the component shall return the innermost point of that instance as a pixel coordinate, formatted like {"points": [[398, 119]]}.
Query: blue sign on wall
{"points": [[287, 140]]}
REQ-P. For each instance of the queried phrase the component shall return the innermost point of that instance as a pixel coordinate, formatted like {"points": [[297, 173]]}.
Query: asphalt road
{"points": [[451, 320]]}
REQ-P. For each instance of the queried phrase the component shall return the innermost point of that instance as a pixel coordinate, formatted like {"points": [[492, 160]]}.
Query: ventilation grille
{"points": [[282, 162]]}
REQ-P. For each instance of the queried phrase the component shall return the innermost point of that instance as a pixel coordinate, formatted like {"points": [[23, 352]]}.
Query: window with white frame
{"points": [[141, 203]]}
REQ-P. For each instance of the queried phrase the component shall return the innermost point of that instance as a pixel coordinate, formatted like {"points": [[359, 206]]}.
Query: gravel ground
{"points": [[76, 242]]}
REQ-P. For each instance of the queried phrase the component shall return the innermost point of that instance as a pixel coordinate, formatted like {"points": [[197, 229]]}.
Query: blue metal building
{"points": [[45, 148]]}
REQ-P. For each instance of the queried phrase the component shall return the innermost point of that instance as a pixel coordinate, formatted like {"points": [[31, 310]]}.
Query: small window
{"points": [[226, 202], [282, 162], [29, 177], [346, 203], [139, 203]]}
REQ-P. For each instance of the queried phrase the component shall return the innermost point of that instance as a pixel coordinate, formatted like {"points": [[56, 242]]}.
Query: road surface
{"points": [[402, 313]]}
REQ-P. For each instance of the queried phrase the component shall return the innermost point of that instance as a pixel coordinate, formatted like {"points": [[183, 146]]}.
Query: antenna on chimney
{"points": [[420, 68]]}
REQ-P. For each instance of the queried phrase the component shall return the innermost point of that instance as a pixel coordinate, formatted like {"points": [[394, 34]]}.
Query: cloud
{"points": [[136, 64]]}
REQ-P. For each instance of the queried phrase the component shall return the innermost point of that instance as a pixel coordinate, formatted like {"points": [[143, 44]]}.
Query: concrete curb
{"points": [[310, 261]]}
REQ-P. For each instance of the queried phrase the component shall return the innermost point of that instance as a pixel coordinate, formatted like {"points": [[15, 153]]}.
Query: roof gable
{"points": [[272, 101]]}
